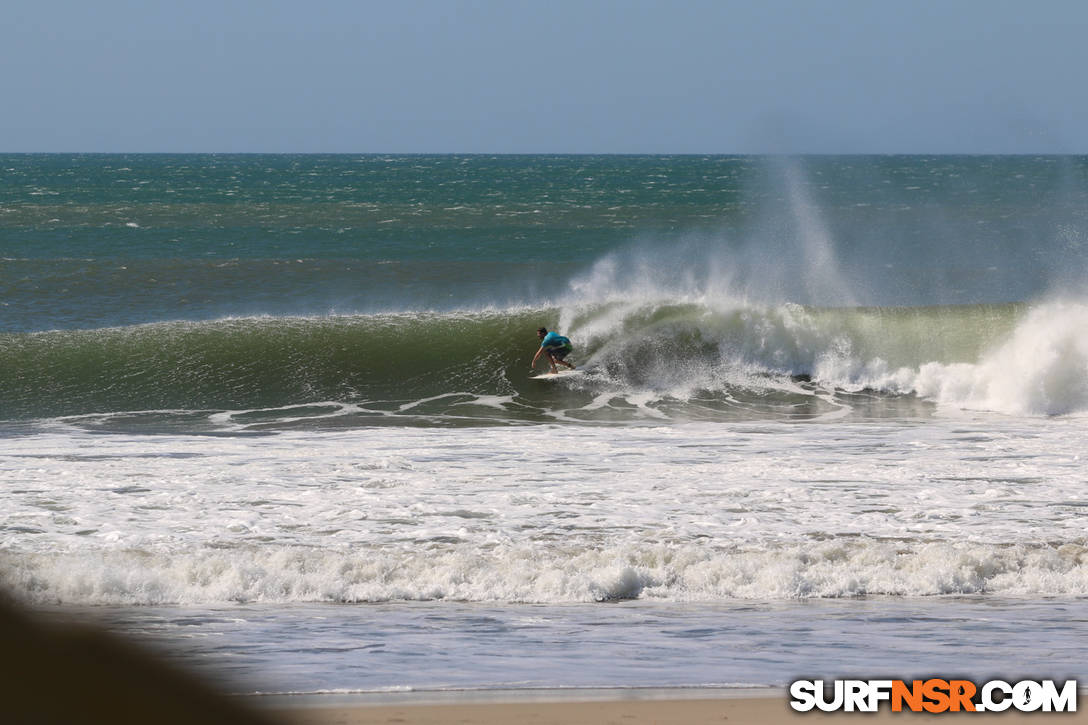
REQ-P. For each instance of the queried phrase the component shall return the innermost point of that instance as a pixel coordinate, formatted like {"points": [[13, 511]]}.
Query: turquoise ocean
{"points": [[275, 414]]}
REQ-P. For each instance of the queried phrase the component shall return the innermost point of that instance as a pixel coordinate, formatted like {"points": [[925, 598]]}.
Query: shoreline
{"points": [[589, 706], [504, 695]]}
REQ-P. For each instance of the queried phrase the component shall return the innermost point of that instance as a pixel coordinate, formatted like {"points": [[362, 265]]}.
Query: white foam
{"points": [[1040, 369], [548, 573], [548, 513]]}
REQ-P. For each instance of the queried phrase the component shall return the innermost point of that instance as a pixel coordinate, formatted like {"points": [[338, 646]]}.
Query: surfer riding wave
{"points": [[555, 346]]}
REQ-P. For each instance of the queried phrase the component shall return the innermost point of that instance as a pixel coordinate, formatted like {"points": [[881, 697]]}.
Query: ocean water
{"points": [[275, 414]]}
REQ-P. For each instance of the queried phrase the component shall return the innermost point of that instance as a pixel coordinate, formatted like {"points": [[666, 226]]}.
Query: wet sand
{"points": [[770, 708]]}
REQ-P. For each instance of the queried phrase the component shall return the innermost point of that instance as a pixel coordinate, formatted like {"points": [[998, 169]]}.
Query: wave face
{"points": [[664, 360], [259, 363]]}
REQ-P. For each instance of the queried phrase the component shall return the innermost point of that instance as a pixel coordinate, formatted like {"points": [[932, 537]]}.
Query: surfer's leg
{"points": [[559, 355]]}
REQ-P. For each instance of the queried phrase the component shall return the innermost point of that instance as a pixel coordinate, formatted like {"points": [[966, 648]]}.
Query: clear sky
{"points": [[544, 76]]}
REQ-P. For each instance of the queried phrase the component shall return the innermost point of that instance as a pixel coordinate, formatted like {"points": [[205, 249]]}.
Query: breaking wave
{"points": [[668, 359], [549, 574]]}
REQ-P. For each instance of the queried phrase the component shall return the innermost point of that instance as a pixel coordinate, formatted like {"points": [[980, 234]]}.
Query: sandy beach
{"points": [[629, 712], [769, 710]]}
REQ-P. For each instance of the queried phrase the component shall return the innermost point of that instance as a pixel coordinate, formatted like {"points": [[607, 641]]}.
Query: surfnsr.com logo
{"points": [[933, 695]]}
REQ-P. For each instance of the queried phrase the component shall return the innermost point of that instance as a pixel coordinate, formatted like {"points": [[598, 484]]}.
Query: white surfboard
{"points": [[556, 376]]}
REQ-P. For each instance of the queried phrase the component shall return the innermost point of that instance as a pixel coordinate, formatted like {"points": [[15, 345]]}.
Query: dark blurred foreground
{"points": [[74, 673]]}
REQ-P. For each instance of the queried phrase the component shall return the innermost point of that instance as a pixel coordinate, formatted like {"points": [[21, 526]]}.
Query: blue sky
{"points": [[563, 76]]}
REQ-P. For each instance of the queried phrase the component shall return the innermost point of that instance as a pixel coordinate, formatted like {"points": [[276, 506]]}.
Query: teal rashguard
{"points": [[557, 345]]}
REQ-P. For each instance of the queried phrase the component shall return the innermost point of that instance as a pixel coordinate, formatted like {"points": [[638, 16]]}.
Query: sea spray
{"points": [[821, 277]]}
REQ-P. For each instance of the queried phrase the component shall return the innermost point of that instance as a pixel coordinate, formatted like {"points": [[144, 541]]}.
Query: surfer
{"points": [[555, 346]]}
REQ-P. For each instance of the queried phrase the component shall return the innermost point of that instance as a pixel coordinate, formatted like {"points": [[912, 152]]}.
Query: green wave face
{"points": [[474, 366], [250, 363]]}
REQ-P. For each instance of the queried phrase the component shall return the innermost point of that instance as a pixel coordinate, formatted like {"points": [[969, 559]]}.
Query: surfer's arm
{"points": [[536, 357]]}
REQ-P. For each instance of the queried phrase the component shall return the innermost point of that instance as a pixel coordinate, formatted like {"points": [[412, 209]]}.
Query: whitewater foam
{"points": [[1040, 368], [547, 574], [548, 514]]}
